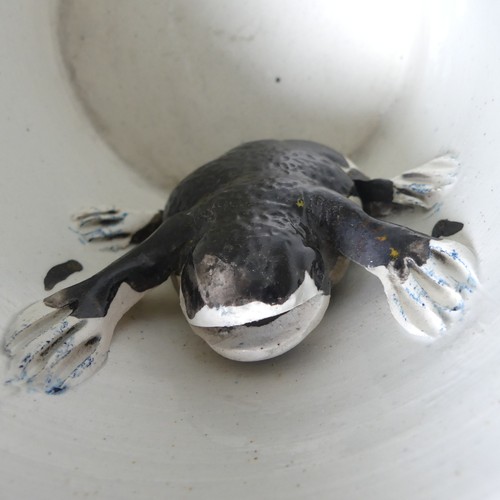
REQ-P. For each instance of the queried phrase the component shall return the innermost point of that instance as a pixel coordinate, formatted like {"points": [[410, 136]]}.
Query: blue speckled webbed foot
{"points": [[421, 187], [428, 299], [53, 350], [424, 185], [110, 228]]}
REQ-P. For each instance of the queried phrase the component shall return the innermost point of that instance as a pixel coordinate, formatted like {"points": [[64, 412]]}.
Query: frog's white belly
{"points": [[256, 343], [225, 316], [232, 331]]}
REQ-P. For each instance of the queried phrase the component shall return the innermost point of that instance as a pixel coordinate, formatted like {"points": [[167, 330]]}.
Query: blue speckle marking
{"points": [[421, 188], [56, 389]]}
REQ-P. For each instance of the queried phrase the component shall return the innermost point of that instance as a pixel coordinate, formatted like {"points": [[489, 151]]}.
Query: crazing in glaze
{"points": [[254, 240]]}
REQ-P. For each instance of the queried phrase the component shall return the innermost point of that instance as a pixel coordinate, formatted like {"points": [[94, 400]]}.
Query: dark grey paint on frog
{"points": [[60, 272], [445, 227], [266, 212]]}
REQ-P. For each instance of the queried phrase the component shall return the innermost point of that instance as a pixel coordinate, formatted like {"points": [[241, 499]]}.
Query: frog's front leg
{"points": [[63, 339], [426, 280]]}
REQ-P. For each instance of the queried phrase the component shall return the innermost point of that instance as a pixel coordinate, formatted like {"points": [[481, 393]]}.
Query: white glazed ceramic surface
{"points": [[103, 102]]}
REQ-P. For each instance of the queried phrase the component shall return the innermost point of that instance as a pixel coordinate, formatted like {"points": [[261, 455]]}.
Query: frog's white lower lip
{"points": [[257, 343], [229, 316]]}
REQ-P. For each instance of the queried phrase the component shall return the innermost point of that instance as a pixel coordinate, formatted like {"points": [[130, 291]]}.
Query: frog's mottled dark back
{"points": [[269, 166]]}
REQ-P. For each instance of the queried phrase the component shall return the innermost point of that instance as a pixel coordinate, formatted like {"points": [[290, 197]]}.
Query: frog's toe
{"points": [[30, 323], [429, 299], [103, 225], [28, 357], [424, 185], [75, 358]]}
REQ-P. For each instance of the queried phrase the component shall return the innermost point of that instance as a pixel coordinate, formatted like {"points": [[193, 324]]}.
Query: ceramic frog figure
{"points": [[255, 240]]}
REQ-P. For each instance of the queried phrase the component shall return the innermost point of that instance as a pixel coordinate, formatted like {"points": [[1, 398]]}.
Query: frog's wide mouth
{"points": [[266, 338], [224, 316]]}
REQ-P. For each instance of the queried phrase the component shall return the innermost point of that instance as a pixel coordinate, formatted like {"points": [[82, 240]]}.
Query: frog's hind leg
{"points": [[113, 229], [427, 281], [421, 187], [62, 340]]}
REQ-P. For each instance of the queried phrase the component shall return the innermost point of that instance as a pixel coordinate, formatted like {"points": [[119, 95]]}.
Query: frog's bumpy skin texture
{"points": [[256, 238]]}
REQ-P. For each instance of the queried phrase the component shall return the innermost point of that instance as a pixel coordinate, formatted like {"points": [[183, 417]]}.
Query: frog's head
{"points": [[253, 295]]}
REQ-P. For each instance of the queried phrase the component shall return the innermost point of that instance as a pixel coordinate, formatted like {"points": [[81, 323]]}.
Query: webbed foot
{"points": [[424, 185], [421, 187], [52, 350], [428, 299], [102, 225]]}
